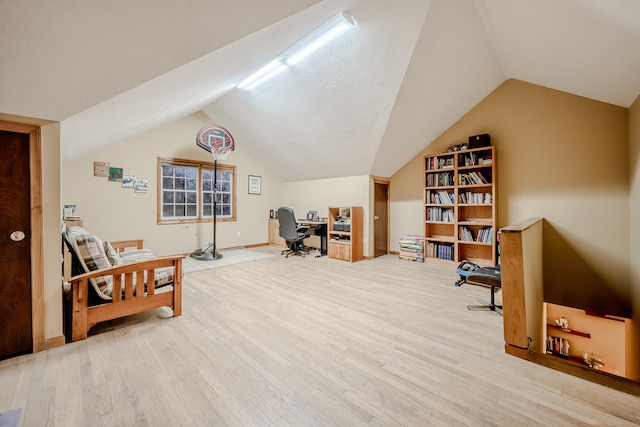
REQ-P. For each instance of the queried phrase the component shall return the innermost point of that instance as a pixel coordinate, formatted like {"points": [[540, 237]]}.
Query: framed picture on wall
{"points": [[100, 169], [255, 184]]}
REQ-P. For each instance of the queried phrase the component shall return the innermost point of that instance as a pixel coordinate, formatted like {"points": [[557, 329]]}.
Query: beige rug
{"points": [[229, 257]]}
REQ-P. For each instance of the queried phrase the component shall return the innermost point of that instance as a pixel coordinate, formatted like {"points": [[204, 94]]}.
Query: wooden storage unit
{"points": [[460, 206], [274, 233], [345, 245], [590, 333]]}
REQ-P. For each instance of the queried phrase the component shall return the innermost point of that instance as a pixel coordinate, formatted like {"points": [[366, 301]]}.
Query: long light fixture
{"points": [[301, 49]]}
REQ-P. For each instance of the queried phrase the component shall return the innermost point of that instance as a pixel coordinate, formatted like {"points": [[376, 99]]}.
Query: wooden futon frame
{"points": [[127, 298]]}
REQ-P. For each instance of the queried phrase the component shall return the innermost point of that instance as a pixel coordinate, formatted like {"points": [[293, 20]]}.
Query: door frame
{"points": [[37, 228], [387, 182]]}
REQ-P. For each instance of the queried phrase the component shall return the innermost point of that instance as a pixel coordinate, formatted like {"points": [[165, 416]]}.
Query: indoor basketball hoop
{"points": [[216, 140]]}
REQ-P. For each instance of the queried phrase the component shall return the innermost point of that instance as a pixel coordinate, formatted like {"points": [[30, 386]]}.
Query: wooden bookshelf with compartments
{"points": [[460, 206]]}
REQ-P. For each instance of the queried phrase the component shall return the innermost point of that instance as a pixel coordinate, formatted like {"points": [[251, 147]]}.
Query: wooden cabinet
{"points": [[340, 250], [460, 206], [274, 233], [344, 231]]}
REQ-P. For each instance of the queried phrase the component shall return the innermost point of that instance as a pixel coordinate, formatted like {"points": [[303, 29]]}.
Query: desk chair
{"points": [[489, 277], [291, 232]]}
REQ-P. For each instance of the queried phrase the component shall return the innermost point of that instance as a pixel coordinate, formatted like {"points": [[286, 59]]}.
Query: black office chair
{"points": [[291, 232], [491, 278]]}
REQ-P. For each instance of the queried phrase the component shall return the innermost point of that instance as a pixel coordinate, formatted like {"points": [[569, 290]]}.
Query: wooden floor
{"points": [[306, 342]]}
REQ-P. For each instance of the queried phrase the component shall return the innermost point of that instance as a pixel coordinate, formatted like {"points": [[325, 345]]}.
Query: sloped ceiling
{"points": [[365, 104]]}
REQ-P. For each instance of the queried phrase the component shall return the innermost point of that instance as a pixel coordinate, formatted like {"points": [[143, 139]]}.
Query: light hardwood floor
{"points": [[306, 342]]}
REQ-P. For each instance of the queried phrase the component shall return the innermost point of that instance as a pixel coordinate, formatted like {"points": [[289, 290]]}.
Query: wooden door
{"points": [[380, 219], [15, 236]]}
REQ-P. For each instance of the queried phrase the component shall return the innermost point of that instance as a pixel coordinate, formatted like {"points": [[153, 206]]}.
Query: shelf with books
{"points": [[459, 206], [438, 250]]}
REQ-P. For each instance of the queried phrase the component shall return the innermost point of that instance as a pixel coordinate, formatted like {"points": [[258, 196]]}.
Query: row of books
{"points": [[434, 163], [440, 197], [558, 346], [485, 234], [475, 198], [441, 179], [440, 214], [472, 159], [439, 250], [471, 178]]}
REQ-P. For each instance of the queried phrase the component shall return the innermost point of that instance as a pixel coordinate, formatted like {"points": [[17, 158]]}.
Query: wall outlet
{"points": [[238, 234]]}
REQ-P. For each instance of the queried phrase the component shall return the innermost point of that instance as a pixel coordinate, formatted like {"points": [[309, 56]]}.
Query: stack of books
{"points": [[411, 248]]}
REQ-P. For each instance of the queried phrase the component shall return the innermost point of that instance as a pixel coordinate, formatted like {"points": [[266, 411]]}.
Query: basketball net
{"points": [[220, 152]]}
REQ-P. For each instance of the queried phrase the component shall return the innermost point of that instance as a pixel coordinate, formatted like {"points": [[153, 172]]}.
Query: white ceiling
{"points": [[365, 104]]}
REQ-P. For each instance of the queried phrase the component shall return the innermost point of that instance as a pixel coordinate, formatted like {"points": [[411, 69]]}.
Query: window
{"points": [[186, 191]]}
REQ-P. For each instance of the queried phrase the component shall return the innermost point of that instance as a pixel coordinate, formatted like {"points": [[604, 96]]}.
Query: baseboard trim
{"points": [[54, 342]]}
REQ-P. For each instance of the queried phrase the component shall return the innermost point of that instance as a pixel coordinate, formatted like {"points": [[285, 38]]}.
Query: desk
{"points": [[317, 228]]}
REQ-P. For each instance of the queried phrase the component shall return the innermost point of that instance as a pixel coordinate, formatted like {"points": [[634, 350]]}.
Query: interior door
{"points": [[380, 219], [15, 259]]}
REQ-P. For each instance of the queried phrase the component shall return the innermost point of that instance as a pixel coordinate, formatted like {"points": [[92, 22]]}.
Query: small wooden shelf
{"points": [[569, 331], [444, 239]]}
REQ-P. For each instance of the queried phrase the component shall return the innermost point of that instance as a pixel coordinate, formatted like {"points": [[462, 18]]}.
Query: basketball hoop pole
{"points": [[219, 143], [214, 250]]}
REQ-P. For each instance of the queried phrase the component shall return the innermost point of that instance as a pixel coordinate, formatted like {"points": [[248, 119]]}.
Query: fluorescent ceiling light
{"points": [[263, 74], [301, 49], [319, 37]]}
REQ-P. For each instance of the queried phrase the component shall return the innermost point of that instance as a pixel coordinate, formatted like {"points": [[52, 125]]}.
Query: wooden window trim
{"points": [[199, 164]]}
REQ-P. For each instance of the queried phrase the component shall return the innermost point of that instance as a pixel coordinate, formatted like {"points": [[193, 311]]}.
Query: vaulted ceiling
{"points": [[364, 104]]}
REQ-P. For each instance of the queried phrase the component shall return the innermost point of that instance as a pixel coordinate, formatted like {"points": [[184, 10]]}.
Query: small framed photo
{"points": [[255, 184], [312, 215], [115, 174], [101, 169]]}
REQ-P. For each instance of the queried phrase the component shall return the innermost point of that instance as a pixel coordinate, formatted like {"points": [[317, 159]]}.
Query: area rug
{"points": [[229, 257]]}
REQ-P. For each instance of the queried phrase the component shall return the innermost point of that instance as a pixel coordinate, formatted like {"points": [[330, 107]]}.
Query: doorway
{"points": [[15, 244], [380, 218], [31, 278]]}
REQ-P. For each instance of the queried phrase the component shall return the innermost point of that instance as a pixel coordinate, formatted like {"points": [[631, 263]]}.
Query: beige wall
{"points": [[319, 195], [51, 216], [633, 338], [561, 157], [115, 213]]}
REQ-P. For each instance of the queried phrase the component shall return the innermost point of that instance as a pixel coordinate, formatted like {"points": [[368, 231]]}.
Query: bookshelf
{"points": [[344, 232], [460, 206]]}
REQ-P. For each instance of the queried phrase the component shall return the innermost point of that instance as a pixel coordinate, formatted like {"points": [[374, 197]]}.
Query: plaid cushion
{"points": [[112, 254], [90, 252]]}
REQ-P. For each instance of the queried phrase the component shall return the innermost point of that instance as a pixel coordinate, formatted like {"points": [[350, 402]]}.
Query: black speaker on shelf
{"points": [[478, 141]]}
